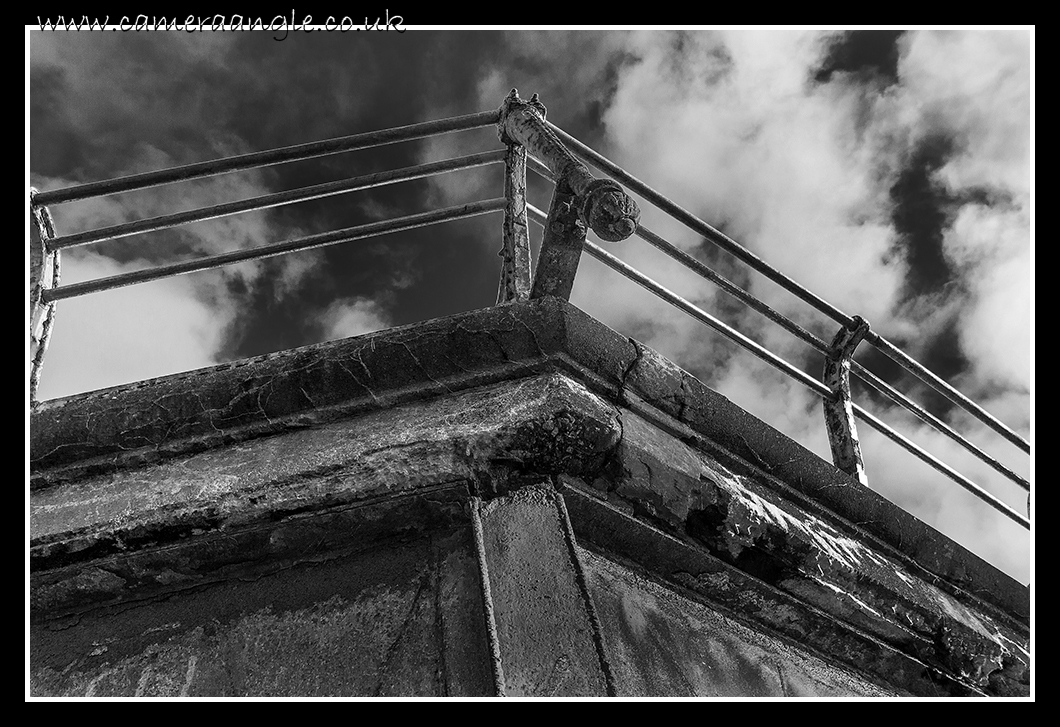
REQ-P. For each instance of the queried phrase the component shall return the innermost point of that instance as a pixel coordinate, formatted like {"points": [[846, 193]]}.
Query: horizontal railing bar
{"points": [[795, 329], [348, 234], [941, 467], [697, 225], [811, 383], [915, 367], [266, 158], [267, 201], [902, 400], [705, 271], [806, 336], [867, 376], [670, 297], [732, 289]]}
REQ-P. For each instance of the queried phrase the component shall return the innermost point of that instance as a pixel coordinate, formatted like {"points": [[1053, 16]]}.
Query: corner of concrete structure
{"points": [[320, 456]]}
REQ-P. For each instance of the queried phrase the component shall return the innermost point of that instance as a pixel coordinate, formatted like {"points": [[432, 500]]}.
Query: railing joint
{"points": [[603, 204]]}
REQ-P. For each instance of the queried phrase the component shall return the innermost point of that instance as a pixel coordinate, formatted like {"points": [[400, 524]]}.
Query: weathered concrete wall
{"points": [[751, 524], [663, 644], [401, 619], [513, 501]]}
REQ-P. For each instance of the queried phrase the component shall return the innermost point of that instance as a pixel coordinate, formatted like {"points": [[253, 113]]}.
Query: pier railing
{"points": [[580, 202]]}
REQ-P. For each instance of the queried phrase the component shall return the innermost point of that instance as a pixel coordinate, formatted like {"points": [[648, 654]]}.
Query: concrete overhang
{"points": [[164, 485]]}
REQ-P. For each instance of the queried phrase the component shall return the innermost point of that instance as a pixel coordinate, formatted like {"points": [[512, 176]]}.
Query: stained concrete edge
{"points": [[308, 386]]}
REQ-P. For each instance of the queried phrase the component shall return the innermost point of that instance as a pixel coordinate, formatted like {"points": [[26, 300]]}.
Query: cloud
{"points": [[195, 311], [977, 84], [111, 338], [348, 318], [944, 504], [738, 138], [742, 129], [996, 326]]}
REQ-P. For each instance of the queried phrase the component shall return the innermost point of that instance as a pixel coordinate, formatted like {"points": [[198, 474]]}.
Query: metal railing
{"points": [[580, 200]]}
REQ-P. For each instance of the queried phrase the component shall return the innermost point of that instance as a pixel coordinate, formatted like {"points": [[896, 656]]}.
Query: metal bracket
{"points": [[602, 204], [838, 412], [561, 247]]}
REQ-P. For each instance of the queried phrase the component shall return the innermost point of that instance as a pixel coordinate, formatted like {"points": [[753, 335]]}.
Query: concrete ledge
{"points": [[305, 388], [530, 426], [167, 485], [295, 389], [746, 521]]}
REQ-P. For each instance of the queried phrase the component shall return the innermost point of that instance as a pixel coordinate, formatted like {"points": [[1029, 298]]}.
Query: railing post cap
{"points": [[513, 103]]}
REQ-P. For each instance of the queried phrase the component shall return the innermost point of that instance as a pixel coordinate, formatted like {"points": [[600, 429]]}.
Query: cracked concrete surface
{"points": [[825, 562], [543, 424], [394, 621], [307, 457]]}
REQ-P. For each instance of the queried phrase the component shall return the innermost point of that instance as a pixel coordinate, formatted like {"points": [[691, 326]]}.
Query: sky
{"points": [[888, 171]]}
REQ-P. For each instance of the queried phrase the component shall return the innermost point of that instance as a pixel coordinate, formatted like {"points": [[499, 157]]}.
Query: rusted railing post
{"points": [[515, 254], [580, 199], [561, 247], [838, 410], [42, 266]]}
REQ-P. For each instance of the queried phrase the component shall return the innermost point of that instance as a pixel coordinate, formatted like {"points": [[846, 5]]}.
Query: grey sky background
{"points": [[890, 172]]}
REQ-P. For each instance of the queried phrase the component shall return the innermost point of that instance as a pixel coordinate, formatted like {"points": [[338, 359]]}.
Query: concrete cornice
{"points": [[658, 469], [152, 420]]}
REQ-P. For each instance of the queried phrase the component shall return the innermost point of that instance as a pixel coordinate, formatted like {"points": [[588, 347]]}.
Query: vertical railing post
{"points": [[838, 411], [515, 253], [43, 273]]}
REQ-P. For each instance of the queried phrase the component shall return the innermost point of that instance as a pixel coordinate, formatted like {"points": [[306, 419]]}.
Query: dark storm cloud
{"points": [[131, 102], [173, 99], [332, 86], [575, 73], [423, 76], [865, 54], [311, 88], [56, 145], [923, 210], [597, 107]]}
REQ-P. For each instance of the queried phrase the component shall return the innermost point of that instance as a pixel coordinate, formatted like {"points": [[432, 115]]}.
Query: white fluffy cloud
{"points": [[348, 318], [729, 126], [164, 326], [128, 334]]}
